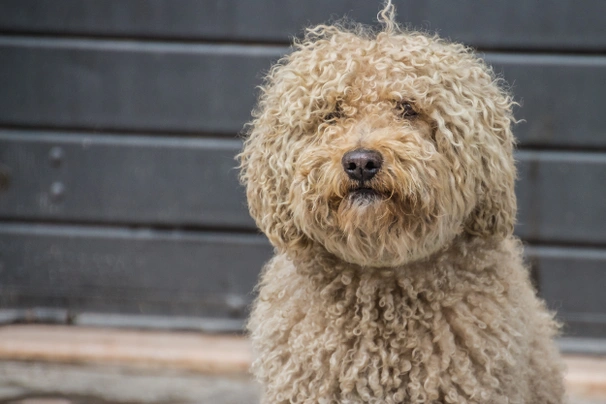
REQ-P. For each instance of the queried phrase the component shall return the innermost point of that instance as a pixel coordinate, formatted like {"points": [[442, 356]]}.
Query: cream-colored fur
{"points": [[417, 293]]}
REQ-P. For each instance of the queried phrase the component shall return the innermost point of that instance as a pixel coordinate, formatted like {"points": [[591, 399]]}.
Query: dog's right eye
{"points": [[334, 115], [406, 110]]}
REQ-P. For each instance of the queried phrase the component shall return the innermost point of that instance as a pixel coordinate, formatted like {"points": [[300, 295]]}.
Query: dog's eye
{"points": [[406, 110], [334, 115]]}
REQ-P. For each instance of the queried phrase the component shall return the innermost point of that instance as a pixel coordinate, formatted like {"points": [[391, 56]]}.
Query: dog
{"points": [[379, 164]]}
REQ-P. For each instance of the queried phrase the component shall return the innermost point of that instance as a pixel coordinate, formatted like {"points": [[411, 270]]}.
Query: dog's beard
{"points": [[380, 228], [365, 210]]}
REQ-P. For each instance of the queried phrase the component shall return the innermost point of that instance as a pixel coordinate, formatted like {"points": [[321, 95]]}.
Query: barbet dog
{"points": [[380, 167]]}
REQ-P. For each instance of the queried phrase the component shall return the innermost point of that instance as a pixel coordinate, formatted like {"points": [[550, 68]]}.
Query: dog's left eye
{"points": [[406, 110], [330, 118], [334, 115]]}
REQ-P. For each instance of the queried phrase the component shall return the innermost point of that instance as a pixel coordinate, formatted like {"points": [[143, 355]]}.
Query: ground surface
{"points": [[73, 365], [44, 383]]}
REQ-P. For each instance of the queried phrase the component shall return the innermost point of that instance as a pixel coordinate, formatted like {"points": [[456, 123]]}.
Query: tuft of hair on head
{"points": [[387, 18]]}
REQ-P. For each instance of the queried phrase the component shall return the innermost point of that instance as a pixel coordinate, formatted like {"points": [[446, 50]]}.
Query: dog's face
{"points": [[381, 148]]}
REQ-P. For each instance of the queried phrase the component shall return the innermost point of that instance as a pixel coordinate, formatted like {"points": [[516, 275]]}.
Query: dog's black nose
{"points": [[362, 164]]}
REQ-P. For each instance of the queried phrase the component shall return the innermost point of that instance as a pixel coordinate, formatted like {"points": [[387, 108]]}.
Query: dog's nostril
{"points": [[362, 164]]}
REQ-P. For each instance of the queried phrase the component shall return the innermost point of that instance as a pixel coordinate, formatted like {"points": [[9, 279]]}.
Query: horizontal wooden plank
{"points": [[149, 86], [561, 197], [125, 85], [572, 280], [129, 271], [559, 96], [189, 182], [540, 24], [110, 178], [110, 270]]}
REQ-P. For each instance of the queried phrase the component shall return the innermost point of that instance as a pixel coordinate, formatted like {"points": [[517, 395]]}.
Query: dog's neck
{"points": [[324, 268]]}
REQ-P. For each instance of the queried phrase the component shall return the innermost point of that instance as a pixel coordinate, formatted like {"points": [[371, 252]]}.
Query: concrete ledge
{"points": [[213, 354], [181, 350], [586, 376]]}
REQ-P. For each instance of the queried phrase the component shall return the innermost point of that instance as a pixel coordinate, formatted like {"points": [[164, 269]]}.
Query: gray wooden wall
{"points": [[118, 128]]}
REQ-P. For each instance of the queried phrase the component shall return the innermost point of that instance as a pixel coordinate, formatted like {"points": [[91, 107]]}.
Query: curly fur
{"points": [[418, 295]]}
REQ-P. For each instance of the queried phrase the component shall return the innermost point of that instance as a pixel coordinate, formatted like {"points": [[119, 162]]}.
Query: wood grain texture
{"points": [[118, 125], [200, 88], [571, 280], [561, 197], [88, 178], [154, 273], [129, 271], [517, 24], [192, 183], [129, 85], [560, 98]]}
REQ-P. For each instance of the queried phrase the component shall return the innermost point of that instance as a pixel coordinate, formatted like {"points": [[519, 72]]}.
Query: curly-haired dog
{"points": [[380, 167]]}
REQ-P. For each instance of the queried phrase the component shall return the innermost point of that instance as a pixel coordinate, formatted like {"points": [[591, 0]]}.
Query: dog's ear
{"points": [[266, 173], [477, 120], [495, 211], [472, 111]]}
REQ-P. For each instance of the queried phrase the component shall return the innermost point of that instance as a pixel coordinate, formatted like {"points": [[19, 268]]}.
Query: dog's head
{"points": [[380, 146]]}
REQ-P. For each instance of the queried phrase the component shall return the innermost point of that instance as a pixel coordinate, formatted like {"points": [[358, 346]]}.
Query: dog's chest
{"points": [[374, 339]]}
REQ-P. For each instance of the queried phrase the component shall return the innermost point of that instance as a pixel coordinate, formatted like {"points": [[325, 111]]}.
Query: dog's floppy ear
{"points": [[479, 128], [269, 158], [266, 173], [473, 110], [495, 212]]}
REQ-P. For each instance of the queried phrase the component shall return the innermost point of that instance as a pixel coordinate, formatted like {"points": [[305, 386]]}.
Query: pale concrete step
{"points": [[57, 383], [129, 366]]}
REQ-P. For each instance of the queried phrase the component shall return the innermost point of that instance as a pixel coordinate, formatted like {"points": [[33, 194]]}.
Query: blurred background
{"points": [[119, 120]]}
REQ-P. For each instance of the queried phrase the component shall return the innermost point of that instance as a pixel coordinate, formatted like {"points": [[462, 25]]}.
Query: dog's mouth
{"points": [[363, 194]]}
